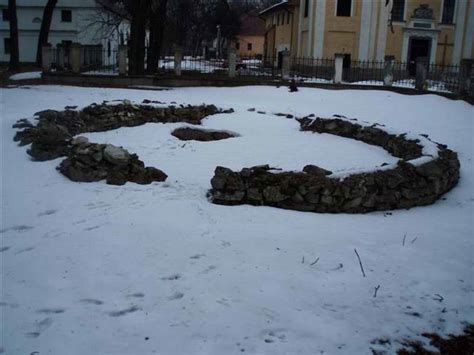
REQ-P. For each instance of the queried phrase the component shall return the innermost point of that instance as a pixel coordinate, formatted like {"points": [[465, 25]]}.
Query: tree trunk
{"points": [[14, 48], [44, 31], [157, 29], [137, 37]]}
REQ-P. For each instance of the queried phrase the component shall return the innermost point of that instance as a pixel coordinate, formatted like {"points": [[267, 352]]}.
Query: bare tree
{"points": [[136, 12], [157, 27], [139, 16], [44, 30], [14, 48]]}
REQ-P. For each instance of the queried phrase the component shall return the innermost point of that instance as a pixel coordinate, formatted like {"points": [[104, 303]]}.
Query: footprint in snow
{"points": [[4, 249], [91, 301], [137, 295], [24, 250], [123, 312], [197, 256], [91, 228], [172, 277], [46, 213], [20, 228], [275, 335], [51, 310], [40, 328], [209, 269], [176, 296]]}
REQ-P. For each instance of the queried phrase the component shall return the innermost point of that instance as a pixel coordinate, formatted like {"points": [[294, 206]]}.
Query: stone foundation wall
{"points": [[52, 137], [408, 184]]}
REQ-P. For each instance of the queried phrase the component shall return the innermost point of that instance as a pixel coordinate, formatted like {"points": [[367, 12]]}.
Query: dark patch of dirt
{"points": [[192, 134], [462, 344]]}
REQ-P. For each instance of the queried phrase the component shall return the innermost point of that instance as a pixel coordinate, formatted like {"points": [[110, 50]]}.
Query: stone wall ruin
{"points": [[425, 171]]}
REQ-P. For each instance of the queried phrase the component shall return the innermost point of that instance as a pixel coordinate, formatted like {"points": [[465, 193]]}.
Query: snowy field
{"points": [[89, 268]]}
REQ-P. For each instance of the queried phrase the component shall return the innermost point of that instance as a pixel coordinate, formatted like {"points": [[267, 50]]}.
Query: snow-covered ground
{"points": [[26, 75], [99, 269]]}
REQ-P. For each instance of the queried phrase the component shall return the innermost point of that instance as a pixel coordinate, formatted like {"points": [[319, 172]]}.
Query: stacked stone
{"points": [[52, 137], [89, 162], [104, 117], [314, 190]]}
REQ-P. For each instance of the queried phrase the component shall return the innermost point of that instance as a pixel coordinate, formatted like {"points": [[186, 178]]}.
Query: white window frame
{"points": [[454, 14], [404, 13]]}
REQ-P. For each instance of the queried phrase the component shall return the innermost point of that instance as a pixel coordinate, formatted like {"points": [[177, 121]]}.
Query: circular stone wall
{"points": [[52, 137], [425, 171]]}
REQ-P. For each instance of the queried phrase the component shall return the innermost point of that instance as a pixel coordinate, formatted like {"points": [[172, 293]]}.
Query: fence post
{"points": [[388, 70], [285, 65], [46, 57], [338, 66], [122, 59], [465, 76], [232, 62], [75, 57], [178, 57], [421, 72]]}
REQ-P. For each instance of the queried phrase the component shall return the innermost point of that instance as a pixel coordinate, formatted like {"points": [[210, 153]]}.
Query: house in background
{"points": [[281, 26], [441, 30], [251, 38], [73, 21]]}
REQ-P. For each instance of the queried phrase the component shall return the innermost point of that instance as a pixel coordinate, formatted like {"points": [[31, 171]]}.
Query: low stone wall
{"points": [[87, 162], [425, 171], [52, 137]]}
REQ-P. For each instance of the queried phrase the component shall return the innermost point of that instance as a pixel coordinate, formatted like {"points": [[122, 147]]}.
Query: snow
{"points": [[26, 75], [99, 269], [194, 64], [433, 85]]}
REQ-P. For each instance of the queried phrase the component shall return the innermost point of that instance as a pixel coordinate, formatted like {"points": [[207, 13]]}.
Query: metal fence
{"points": [[442, 78], [312, 69], [258, 67], [96, 60], [363, 72], [60, 60], [196, 65]]}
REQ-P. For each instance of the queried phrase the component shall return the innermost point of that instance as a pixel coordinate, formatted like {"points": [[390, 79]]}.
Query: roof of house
{"points": [[252, 25], [278, 6]]}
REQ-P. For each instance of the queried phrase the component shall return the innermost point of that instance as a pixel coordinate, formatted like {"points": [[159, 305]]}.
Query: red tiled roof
{"points": [[252, 25]]}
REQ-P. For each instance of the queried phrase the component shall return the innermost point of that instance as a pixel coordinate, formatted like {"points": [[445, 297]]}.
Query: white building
{"points": [[73, 21]]}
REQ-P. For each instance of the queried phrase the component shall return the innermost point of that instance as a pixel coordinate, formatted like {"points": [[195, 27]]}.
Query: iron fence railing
{"points": [[312, 69], [257, 66], [93, 60], [363, 72], [60, 58], [96, 60], [192, 65], [443, 78]]}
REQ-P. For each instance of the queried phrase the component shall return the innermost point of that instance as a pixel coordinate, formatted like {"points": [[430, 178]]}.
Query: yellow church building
{"points": [[440, 30]]}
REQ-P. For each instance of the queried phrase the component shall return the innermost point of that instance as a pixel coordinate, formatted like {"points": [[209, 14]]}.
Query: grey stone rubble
{"points": [[89, 162], [314, 190], [52, 137]]}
